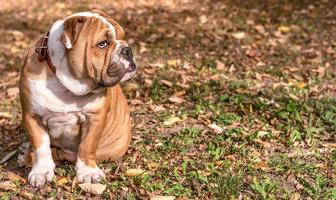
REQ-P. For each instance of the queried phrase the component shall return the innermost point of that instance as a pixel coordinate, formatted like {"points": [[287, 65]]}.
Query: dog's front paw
{"points": [[88, 174], [40, 174]]}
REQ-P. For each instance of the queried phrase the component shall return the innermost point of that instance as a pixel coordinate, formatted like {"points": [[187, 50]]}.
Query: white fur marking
{"points": [[50, 95], [43, 168], [68, 44], [58, 58]]}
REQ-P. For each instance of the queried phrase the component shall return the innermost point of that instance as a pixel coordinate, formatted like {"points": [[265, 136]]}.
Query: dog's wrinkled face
{"points": [[96, 49]]}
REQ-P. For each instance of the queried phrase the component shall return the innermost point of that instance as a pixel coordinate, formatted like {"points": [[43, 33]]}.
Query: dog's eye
{"points": [[103, 44]]}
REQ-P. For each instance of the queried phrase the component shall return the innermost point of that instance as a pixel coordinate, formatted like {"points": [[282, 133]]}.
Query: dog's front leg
{"points": [[43, 166], [86, 168]]}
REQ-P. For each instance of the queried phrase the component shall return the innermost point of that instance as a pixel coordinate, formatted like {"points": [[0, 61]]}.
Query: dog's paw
{"points": [[86, 174], [90, 175], [41, 174]]}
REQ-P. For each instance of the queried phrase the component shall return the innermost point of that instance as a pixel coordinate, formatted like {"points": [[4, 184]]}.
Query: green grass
{"points": [[275, 106]]}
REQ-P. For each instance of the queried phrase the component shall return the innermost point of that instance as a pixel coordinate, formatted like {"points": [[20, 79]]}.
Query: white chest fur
{"points": [[51, 96], [61, 111]]}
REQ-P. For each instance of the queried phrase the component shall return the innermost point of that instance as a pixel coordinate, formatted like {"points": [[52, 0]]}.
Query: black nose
{"points": [[127, 52]]}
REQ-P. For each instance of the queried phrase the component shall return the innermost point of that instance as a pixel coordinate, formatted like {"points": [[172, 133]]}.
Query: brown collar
{"points": [[43, 53]]}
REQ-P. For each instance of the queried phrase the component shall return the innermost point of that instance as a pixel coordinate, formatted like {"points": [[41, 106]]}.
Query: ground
{"points": [[233, 99]]}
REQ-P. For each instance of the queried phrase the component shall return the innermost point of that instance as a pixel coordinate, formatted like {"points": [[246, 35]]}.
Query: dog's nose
{"points": [[127, 52]]}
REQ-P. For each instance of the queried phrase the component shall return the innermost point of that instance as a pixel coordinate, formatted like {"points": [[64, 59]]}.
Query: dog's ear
{"points": [[72, 28], [120, 33]]}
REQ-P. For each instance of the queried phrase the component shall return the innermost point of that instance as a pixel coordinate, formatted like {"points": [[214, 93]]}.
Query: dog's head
{"points": [[96, 50]]}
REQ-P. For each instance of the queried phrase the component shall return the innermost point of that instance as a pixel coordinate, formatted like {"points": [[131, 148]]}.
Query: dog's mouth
{"points": [[117, 72]]}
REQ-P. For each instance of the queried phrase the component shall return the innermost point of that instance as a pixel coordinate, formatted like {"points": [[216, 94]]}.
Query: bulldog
{"points": [[73, 107]]}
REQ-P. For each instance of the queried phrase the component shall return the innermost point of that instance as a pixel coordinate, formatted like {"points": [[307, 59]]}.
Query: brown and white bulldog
{"points": [[72, 105]]}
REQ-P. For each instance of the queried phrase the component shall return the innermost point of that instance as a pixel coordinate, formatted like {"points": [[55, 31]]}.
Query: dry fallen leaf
{"points": [[238, 35], [203, 19], [8, 156], [153, 166], [93, 188], [261, 165], [158, 197], [143, 48], [5, 114], [220, 65], [295, 196], [172, 62], [166, 83], [263, 144], [293, 96], [217, 129], [62, 181], [148, 82], [7, 185], [26, 194], [14, 50], [171, 120], [329, 145], [134, 172], [157, 108], [300, 85], [13, 92], [179, 93], [130, 87], [283, 29], [260, 29], [14, 177], [175, 99]]}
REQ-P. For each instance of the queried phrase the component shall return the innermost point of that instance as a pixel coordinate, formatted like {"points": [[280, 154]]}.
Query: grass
{"points": [[273, 101]]}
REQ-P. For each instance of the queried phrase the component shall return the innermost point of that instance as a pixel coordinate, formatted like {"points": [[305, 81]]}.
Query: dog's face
{"points": [[96, 49]]}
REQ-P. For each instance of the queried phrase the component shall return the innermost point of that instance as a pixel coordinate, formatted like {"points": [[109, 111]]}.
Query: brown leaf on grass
{"points": [[261, 165], [179, 93], [130, 87], [217, 129], [93, 188], [143, 47], [320, 71], [14, 177], [62, 181], [329, 145], [13, 92], [134, 172], [148, 82], [153, 166], [231, 157], [8, 156], [172, 62], [5, 114], [166, 83], [263, 144], [171, 120], [158, 197], [238, 35], [260, 29], [175, 99], [157, 108], [203, 19], [220, 65], [283, 29], [295, 196], [7, 185], [26, 194]]}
